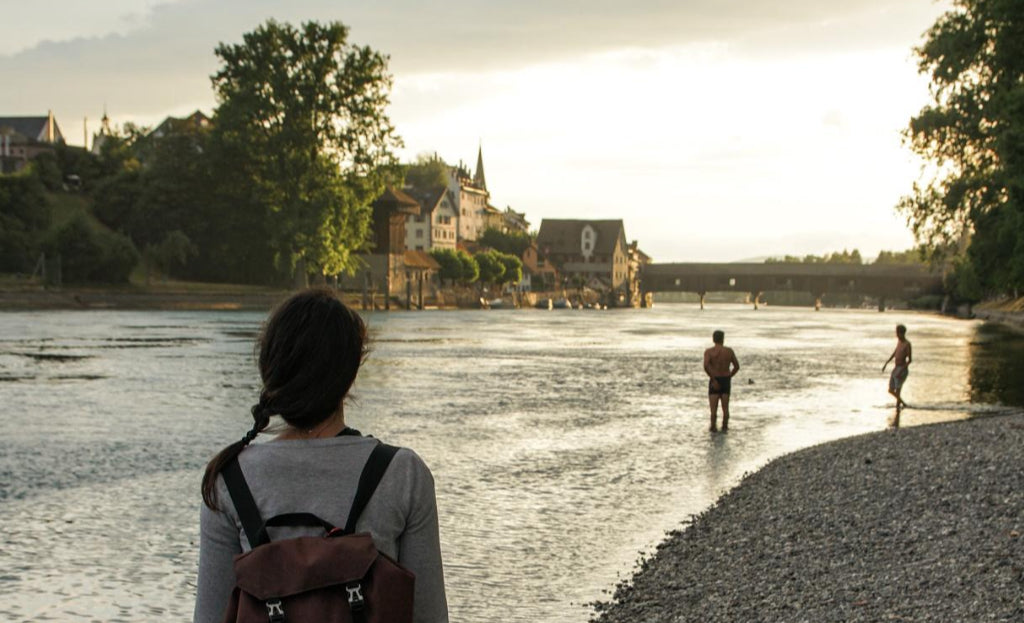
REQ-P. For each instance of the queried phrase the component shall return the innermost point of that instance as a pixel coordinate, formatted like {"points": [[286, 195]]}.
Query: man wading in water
{"points": [[721, 365], [903, 357]]}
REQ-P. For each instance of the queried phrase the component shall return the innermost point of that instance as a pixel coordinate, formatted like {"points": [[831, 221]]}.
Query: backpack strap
{"points": [[373, 471], [244, 503], [249, 514]]}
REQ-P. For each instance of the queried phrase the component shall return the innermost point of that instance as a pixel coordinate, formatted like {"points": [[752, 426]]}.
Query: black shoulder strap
{"points": [[245, 505], [249, 514], [373, 471]]}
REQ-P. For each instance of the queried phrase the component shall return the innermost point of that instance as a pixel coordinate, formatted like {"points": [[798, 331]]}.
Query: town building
{"points": [[493, 219], [436, 226], [391, 269], [588, 254], [470, 196], [102, 137], [515, 221], [538, 273], [171, 125], [637, 260], [24, 138]]}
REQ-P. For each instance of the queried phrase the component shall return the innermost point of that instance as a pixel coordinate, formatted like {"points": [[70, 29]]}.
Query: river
{"points": [[563, 443]]}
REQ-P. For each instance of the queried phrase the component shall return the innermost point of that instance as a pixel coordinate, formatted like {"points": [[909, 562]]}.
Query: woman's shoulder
{"points": [[344, 453], [408, 461]]}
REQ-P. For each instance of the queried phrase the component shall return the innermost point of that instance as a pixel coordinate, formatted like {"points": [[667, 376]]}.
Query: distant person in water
{"points": [[901, 357], [721, 365]]}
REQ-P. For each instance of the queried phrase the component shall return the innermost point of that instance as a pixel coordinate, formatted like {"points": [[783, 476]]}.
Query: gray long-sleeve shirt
{"points": [[320, 476]]}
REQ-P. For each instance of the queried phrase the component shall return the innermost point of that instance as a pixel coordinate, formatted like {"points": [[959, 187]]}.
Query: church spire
{"points": [[478, 177], [105, 123]]}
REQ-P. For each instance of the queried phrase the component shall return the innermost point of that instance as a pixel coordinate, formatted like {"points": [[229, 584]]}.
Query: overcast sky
{"points": [[719, 130]]}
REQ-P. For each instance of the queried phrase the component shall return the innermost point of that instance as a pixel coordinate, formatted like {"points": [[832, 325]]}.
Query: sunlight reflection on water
{"points": [[563, 443]]}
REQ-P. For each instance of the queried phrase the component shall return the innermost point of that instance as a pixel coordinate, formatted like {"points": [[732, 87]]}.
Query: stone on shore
{"points": [[915, 524]]}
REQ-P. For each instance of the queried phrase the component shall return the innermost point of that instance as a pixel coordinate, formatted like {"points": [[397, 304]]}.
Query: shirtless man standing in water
{"points": [[903, 356], [721, 365]]}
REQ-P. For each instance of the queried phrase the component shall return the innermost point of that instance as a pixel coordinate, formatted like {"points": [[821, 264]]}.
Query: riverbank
{"points": [[1009, 312], [196, 296], [170, 297], [915, 524]]}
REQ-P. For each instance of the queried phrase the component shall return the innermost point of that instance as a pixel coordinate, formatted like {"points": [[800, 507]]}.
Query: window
{"points": [[419, 233]]}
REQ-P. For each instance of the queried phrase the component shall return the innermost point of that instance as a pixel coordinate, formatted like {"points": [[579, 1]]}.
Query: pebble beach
{"points": [[912, 524]]}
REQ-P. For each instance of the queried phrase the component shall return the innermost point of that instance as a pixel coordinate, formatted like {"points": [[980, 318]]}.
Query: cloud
{"points": [[158, 56], [62, 20], [752, 111]]}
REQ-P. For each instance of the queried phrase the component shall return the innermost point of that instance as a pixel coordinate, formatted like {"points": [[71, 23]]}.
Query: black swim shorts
{"points": [[724, 385]]}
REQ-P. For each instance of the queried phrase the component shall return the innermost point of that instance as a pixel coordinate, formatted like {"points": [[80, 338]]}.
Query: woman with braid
{"points": [[310, 351]]}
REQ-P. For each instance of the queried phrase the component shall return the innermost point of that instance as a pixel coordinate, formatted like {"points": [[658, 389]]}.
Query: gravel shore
{"points": [[915, 524]]}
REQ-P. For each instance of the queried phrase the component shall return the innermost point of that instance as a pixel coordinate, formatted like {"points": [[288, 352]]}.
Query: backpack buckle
{"points": [[275, 611], [355, 596]]}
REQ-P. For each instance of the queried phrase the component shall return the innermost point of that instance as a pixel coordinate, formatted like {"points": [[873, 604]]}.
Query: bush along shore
{"points": [[915, 524]]}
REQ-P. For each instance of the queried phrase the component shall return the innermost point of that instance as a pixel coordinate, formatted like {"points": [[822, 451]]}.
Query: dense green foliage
{"points": [[457, 266], [971, 204], [281, 179], [492, 269], [918, 255], [302, 115], [499, 268], [451, 266], [170, 254], [841, 257], [24, 213], [470, 267], [513, 268], [428, 173], [512, 243], [91, 255]]}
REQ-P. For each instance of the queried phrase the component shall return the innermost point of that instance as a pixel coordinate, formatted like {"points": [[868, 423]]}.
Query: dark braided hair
{"points": [[310, 350]]}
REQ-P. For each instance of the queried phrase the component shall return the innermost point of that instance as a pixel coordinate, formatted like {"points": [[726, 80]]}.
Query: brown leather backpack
{"points": [[339, 577]]}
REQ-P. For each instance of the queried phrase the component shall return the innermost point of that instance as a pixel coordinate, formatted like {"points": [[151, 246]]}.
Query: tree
{"points": [[962, 281], [843, 257], [451, 265], [492, 269], [91, 255], [304, 112], [513, 243], [513, 268], [427, 174], [24, 215], [118, 201], [470, 267], [174, 251], [971, 200], [910, 256]]}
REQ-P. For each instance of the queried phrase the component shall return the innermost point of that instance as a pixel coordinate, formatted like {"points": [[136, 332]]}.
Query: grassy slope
{"points": [[66, 206]]}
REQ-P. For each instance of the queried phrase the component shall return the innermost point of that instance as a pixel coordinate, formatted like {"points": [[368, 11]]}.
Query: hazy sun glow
{"points": [[717, 132], [707, 154]]}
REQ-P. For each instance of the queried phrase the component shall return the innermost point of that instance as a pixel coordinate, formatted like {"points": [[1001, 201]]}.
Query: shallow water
{"points": [[563, 443]]}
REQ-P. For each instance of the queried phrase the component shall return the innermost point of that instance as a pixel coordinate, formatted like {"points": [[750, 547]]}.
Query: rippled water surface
{"points": [[563, 443]]}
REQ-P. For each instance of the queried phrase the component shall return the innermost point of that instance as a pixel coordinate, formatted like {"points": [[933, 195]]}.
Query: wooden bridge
{"points": [[882, 281]]}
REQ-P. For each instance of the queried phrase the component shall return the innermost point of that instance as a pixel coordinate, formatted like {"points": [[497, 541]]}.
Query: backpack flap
{"points": [[291, 566]]}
